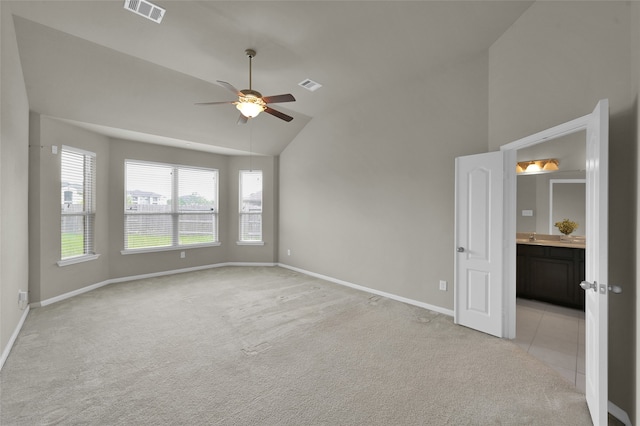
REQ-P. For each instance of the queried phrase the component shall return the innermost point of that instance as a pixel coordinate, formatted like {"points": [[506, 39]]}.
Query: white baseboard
{"points": [[141, 277], [14, 336], [371, 290], [70, 294], [219, 265], [619, 413]]}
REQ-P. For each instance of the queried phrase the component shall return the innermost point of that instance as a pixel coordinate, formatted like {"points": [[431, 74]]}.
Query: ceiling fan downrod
{"points": [[251, 54]]}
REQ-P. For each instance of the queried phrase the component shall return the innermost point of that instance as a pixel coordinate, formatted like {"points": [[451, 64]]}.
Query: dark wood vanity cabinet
{"points": [[550, 274]]}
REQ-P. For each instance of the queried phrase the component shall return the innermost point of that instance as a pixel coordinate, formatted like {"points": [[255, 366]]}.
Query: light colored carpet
{"points": [[267, 346]]}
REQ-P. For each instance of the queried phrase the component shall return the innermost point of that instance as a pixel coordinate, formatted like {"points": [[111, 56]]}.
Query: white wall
{"points": [[366, 190], [14, 232], [553, 65]]}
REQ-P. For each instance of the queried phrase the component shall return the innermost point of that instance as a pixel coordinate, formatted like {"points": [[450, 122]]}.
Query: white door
{"points": [[478, 238], [596, 257]]}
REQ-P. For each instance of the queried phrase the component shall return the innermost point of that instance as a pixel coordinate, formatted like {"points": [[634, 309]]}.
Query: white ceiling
{"points": [[95, 63]]}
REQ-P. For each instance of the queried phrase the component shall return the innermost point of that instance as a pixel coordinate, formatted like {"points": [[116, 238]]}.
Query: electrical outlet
{"points": [[23, 299], [288, 252], [182, 255], [443, 285]]}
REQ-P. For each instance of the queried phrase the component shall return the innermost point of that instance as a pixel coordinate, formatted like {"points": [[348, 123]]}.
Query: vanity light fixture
{"points": [[537, 166], [551, 165]]}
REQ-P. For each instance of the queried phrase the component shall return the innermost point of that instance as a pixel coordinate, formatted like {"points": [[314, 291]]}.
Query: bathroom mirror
{"points": [[567, 201]]}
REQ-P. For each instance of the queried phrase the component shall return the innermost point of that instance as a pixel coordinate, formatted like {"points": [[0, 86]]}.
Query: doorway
{"points": [[553, 331], [484, 185]]}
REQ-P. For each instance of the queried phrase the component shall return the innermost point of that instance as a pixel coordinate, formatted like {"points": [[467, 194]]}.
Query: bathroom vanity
{"points": [[550, 269]]}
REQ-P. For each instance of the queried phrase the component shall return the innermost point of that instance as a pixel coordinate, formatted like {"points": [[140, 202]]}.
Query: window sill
{"points": [[78, 259], [170, 248], [250, 243]]}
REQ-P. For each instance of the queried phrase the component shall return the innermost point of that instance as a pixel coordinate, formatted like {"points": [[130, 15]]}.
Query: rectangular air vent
{"points": [[310, 85], [146, 9]]}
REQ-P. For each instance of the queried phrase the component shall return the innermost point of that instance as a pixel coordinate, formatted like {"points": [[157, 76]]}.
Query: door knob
{"points": [[460, 250], [586, 285]]}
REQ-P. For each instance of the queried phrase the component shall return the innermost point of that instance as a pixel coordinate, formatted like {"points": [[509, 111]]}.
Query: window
{"points": [[77, 196], [250, 206], [168, 206]]}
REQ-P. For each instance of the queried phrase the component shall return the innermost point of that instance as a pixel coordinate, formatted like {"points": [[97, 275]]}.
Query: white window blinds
{"points": [[169, 205], [77, 199], [250, 205]]}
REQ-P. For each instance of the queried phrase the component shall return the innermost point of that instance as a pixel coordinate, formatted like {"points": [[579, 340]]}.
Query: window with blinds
{"points": [[169, 206], [77, 200], [250, 205]]}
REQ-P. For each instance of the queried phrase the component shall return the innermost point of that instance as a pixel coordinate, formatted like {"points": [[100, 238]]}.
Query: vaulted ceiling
{"points": [[99, 66]]}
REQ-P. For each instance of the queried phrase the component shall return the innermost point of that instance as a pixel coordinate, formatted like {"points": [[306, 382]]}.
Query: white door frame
{"points": [[509, 261], [596, 127]]}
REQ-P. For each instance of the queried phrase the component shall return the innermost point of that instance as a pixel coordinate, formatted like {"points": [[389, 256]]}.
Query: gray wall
{"points": [[551, 66], [634, 178], [49, 280], [366, 190], [14, 157], [634, 226]]}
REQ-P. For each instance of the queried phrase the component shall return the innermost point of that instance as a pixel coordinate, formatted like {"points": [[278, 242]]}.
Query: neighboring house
{"points": [[146, 198], [253, 203], [71, 194]]}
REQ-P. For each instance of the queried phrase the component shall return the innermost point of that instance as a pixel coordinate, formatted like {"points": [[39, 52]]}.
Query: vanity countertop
{"points": [[550, 240]]}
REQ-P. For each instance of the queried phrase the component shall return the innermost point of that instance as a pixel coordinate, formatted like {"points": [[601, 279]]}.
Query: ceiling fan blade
{"points": [[278, 98], [214, 103], [229, 87], [242, 119], [278, 114]]}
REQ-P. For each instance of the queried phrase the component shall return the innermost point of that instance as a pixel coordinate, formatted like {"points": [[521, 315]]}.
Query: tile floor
{"points": [[554, 335]]}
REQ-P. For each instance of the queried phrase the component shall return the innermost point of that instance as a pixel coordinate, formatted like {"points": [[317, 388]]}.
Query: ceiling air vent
{"points": [[310, 85], [146, 9]]}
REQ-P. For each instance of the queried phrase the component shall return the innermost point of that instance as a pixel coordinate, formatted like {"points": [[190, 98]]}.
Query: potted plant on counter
{"points": [[566, 227]]}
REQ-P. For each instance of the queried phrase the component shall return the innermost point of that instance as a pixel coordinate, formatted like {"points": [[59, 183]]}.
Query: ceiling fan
{"points": [[250, 102]]}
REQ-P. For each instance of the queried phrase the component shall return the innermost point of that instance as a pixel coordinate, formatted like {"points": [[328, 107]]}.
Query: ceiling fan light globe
{"points": [[249, 109]]}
